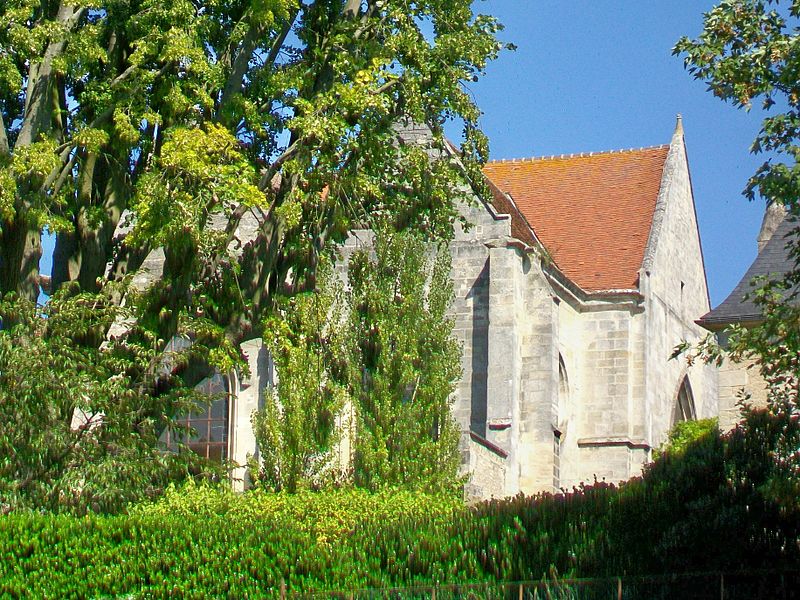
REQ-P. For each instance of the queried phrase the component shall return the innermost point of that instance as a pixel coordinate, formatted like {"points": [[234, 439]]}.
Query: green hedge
{"points": [[711, 507]]}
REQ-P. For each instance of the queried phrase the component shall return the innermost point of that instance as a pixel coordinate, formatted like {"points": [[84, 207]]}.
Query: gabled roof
{"points": [[593, 212], [774, 261]]}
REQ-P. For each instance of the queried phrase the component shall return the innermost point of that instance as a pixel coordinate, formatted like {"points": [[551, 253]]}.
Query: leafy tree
{"points": [[404, 365], [105, 454], [297, 429], [203, 118], [685, 433], [747, 52], [241, 138], [382, 352]]}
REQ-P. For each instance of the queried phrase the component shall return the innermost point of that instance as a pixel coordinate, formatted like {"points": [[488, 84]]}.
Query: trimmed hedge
{"points": [[708, 508]]}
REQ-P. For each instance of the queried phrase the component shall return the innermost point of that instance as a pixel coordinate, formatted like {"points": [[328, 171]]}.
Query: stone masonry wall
{"points": [[736, 379], [674, 284]]}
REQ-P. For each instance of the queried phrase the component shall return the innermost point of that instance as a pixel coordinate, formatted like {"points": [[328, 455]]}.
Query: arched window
{"points": [[205, 430], [684, 404], [560, 421]]}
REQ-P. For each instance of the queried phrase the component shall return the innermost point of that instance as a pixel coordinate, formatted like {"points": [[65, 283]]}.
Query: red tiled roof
{"points": [[592, 212]]}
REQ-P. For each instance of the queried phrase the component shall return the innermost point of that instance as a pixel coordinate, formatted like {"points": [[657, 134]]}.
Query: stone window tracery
{"points": [[684, 404]]}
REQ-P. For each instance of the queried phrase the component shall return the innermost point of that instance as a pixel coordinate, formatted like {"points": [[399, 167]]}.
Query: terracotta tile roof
{"points": [[592, 212]]}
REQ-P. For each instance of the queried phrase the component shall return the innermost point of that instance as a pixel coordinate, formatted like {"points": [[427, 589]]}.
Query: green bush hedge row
{"points": [[719, 504]]}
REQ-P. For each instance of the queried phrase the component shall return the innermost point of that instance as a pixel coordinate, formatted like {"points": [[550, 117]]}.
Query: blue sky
{"points": [[590, 76]]}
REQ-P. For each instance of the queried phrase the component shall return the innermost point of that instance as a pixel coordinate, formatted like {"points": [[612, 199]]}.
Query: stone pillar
{"points": [[246, 398], [502, 413]]}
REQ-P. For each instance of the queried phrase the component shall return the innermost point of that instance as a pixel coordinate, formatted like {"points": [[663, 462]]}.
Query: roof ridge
{"points": [[575, 155]]}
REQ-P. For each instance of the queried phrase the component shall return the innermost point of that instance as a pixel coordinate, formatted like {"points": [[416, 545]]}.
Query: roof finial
{"points": [[679, 125]]}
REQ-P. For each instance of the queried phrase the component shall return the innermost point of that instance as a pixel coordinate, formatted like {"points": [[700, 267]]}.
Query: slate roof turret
{"points": [[772, 262]]}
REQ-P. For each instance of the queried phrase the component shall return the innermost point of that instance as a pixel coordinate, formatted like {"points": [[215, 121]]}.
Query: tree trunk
{"points": [[42, 91], [21, 240], [21, 245], [96, 241]]}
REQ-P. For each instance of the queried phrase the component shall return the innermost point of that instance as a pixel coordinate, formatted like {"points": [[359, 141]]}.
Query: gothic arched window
{"points": [[684, 404], [205, 430], [560, 421]]}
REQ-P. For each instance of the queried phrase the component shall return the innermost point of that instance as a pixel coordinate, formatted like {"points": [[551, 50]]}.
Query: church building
{"points": [[573, 286]]}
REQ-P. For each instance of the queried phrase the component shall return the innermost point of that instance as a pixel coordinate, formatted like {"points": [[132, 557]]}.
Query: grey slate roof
{"points": [[773, 261]]}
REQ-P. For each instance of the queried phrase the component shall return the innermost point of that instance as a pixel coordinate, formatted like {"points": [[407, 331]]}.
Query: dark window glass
{"points": [[684, 405], [205, 431]]}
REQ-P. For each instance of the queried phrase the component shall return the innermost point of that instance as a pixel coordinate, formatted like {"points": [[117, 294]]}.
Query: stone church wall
{"points": [[557, 389], [734, 380], [673, 282], [604, 434]]}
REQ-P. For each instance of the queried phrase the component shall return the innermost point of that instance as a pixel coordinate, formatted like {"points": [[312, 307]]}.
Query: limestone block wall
{"points": [[570, 394], [674, 285], [470, 312], [736, 379], [603, 441], [537, 317], [488, 468]]}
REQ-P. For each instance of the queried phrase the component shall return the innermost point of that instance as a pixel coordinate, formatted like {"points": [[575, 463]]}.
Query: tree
{"points": [[380, 356], [242, 139], [748, 51], [106, 454], [198, 118], [297, 429], [403, 365]]}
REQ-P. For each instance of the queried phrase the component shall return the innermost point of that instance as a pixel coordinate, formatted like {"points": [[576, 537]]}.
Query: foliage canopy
{"points": [[194, 120], [81, 419], [238, 140], [747, 52]]}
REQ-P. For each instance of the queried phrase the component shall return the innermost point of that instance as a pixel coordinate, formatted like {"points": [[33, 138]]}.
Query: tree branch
{"points": [[38, 99], [266, 179], [279, 41], [245, 54], [4, 147], [351, 9], [240, 64]]}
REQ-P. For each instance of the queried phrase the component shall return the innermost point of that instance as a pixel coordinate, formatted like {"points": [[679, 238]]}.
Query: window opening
{"points": [[205, 430], [684, 405]]}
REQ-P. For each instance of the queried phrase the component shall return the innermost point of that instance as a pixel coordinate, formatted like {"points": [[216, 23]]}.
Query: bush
{"points": [[686, 433], [712, 507]]}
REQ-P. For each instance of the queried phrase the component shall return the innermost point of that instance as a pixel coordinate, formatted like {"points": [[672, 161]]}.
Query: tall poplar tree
{"points": [[403, 365]]}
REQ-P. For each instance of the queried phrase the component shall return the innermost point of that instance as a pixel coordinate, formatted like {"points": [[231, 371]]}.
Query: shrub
{"points": [[710, 508]]}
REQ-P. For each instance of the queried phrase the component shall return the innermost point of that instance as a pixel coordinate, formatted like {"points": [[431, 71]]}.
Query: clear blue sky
{"points": [[590, 76]]}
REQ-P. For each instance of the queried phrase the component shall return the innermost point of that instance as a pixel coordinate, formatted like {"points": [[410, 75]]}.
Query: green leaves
{"points": [[201, 540], [403, 365], [82, 415], [299, 429], [365, 376], [748, 50]]}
